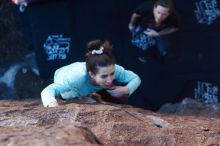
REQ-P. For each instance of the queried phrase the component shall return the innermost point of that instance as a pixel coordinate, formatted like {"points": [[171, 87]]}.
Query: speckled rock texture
{"points": [[27, 122]]}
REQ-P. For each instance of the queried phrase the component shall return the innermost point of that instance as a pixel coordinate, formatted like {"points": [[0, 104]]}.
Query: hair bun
{"points": [[98, 51]]}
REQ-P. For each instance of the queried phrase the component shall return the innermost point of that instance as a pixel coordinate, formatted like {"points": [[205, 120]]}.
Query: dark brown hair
{"points": [[100, 59], [165, 3]]}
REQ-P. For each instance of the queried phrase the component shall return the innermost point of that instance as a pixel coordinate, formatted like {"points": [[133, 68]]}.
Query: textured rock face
{"points": [[44, 136], [28, 123]]}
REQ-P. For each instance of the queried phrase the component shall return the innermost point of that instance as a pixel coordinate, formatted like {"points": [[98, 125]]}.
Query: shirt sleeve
{"points": [[128, 77], [66, 80], [49, 93]]}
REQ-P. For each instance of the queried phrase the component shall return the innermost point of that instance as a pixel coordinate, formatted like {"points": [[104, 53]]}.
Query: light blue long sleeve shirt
{"points": [[73, 81]]}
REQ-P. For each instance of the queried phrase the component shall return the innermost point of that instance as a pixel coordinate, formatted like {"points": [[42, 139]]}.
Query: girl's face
{"points": [[104, 76]]}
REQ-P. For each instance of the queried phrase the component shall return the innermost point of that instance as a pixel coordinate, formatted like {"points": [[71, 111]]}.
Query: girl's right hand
{"points": [[53, 104]]}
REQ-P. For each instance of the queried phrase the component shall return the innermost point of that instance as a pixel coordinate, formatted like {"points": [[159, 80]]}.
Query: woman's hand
{"points": [[118, 91], [53, 104], [131, 27], [151, 32]]}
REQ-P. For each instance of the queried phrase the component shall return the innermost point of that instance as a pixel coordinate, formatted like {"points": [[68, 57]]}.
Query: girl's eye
{"points": [[103, 76], [112, 73]]}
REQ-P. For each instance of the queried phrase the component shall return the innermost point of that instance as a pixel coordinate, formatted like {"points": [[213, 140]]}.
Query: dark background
{"points": [[193, 57]]}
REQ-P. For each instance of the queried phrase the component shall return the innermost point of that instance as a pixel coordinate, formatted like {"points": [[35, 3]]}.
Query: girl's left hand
{"points": [[118, 91]]}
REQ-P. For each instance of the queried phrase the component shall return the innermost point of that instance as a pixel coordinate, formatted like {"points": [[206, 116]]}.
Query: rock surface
{"points": [[28, 123]]}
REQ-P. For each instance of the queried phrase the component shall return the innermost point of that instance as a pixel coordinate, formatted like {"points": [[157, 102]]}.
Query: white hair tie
{"points": [[99, 51]]}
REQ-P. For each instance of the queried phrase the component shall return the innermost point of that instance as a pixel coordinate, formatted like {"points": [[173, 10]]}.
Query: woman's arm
{"points": [[48, 95], [131, 80], [133, 21]]}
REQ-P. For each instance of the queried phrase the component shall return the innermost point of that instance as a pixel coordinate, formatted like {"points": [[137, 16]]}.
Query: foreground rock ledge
{"points": [[25, 123]]}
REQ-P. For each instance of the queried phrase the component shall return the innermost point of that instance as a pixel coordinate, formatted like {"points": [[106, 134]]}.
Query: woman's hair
{"points": [[165, 3], [98, 55]]}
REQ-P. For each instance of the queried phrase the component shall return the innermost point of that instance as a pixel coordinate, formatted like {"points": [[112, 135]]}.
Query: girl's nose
{"points": [[109, 80]]}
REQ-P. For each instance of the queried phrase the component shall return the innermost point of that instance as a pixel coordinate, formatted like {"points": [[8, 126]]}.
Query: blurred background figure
{"points": [[150, 24]]}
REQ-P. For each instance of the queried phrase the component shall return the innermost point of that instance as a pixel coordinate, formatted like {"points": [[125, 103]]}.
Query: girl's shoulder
{"points": [[72, 71]]}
